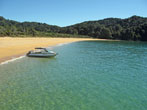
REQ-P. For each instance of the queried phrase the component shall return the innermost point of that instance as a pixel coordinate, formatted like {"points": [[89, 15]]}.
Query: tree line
{"points": [[133, 28]]}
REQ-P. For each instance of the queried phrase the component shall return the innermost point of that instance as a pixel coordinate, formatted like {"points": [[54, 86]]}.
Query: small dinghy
{"points": [[41, 52]]}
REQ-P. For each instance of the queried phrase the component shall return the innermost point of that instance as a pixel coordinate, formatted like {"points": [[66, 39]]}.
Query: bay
{"points": [[89, 75]]}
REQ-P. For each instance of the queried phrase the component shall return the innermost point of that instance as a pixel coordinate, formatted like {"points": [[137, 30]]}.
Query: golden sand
{"points": [[14, 47]]}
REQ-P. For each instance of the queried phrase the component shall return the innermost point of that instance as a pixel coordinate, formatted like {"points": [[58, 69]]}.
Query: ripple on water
{"points": [[84, 76]]}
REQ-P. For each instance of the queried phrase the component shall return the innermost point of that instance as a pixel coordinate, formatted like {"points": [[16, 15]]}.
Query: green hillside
{"points": [[133, 28]]}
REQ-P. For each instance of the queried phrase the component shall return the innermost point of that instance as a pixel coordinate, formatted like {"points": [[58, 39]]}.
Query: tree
{"points": [[105, 33], [32, 32]]}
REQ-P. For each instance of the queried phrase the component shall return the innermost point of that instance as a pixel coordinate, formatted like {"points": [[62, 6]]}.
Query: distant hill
{"points": [[14, 28], [133, 28]]}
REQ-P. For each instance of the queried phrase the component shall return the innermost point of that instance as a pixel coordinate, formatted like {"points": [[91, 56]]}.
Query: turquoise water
{"points": [[98, 75]]}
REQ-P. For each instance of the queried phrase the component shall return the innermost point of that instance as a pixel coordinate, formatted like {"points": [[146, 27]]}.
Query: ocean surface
{"points": [[91, 75]]}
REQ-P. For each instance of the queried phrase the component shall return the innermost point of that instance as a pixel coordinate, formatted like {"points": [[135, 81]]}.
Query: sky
{"points": [[69, 12]]}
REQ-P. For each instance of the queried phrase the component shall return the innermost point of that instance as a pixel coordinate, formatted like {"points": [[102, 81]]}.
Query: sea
{"points": [[87, 75]]}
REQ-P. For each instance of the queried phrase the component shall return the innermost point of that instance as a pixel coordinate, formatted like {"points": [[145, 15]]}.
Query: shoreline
{"points": [[12, 48], [16, 57]]}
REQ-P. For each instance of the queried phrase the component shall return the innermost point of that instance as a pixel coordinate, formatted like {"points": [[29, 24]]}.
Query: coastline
{"points": [[12, 48]]}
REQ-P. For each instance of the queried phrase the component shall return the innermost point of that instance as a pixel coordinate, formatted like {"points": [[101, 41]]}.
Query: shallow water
{"points": [[90, 75]]}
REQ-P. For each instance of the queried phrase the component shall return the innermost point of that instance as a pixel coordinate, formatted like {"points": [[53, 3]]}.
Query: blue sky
{"points": [[68, 12]]}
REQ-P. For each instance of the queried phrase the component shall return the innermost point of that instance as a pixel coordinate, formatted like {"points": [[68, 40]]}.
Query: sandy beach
{"points": [[14, 47]]}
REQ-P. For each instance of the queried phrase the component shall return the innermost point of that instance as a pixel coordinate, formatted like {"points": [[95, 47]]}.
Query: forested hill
{"points": [[133, 28], [14, 28]]}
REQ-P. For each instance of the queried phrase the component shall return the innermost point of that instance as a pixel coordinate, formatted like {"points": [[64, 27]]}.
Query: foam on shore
{"points": [[11, 60], [61, 44]]}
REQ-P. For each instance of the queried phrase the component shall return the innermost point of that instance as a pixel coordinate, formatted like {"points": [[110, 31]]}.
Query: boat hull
{"points": [[41, 55]]}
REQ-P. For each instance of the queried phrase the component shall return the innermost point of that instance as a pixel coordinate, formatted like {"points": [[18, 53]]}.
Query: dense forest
{"points": [[133, 28]]}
